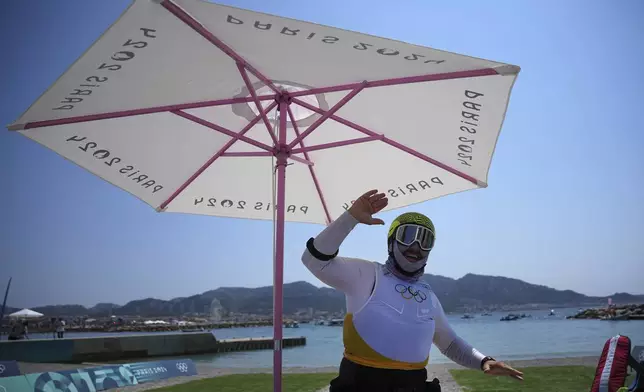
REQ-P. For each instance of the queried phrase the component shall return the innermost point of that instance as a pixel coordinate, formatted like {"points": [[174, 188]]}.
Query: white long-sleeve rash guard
{"points": [[356, 279]]}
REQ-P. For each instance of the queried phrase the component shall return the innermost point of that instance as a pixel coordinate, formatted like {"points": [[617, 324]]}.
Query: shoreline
{"points": [[438, 370], [586, 311]]}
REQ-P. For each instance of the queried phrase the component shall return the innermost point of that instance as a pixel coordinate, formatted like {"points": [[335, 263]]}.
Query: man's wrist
{"points": [[350, 218], [485, 360]]}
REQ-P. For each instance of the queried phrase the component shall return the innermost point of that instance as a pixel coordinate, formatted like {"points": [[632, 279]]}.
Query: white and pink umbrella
{"points": [[199, 108]]}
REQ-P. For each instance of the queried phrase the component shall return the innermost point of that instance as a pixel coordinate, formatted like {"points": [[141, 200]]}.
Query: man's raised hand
{"points": [[367, 205]]}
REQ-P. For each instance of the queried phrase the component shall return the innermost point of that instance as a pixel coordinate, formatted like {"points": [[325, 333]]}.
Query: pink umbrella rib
{"points": [[307, 162], [231, 101], [392, 143], [138, 112], [223, 130], [326, 146], [328, 114], [245, 154], [314, 177], [397, 81], [199, 28], [212, 159], [253, 94]]}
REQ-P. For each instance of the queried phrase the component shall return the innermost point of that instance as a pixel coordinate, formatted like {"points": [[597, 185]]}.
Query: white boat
{"points": [[336, 322]]}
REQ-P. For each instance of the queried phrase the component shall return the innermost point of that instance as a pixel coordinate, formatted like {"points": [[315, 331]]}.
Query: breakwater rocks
{"points": [[620, 312]]}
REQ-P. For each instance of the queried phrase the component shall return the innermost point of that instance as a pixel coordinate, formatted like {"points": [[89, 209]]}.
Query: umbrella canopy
{"points": [[26, 314], [198, 108]]}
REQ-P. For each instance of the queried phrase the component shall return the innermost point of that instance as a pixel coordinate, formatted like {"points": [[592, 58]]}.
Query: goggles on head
{"points": [[408, 234]]}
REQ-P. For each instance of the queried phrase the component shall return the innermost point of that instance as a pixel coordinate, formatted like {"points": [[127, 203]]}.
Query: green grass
{"points": [[541, 379], [305, 382], [537, 379]]}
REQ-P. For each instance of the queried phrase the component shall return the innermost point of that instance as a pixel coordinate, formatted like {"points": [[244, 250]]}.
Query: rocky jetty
{"points": [[618, 312]]}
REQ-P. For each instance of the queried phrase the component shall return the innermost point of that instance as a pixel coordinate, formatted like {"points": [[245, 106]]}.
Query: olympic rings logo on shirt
{"points": [[408, 292]]}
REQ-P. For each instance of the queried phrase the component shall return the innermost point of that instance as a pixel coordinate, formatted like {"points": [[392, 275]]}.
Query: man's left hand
{"points": [[495, 368]]}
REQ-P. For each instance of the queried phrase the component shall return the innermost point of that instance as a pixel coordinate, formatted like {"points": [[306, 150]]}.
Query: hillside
{"points": [[469, 292]]}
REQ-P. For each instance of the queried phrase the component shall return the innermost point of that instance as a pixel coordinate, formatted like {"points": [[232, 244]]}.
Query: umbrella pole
{"points": [[278, 268]]}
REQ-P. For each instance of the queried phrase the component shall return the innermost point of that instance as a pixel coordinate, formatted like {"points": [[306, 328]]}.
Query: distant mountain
{"points": [[9, 310], [482, 291], [103, 308], [297, 296], [469, 292]]}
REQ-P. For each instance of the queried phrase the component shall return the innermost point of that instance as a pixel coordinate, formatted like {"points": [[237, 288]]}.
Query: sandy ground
{"points": [[440, 371]]}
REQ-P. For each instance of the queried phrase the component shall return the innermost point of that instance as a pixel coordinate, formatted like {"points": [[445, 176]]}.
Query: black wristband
{"points": [[485, 360], [316, 253]]}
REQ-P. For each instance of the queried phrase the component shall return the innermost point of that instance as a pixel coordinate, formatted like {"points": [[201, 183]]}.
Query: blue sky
{"points": [[564, 207]]}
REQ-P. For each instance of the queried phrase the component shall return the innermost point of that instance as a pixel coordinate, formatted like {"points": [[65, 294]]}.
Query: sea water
{"points": [[538, 336]]}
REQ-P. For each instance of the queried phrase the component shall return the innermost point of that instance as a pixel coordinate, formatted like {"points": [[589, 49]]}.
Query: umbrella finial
{"points": [[283, 97]]}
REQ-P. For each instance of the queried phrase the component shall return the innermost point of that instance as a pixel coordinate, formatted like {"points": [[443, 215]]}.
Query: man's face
{"points": [[413, 253]]}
